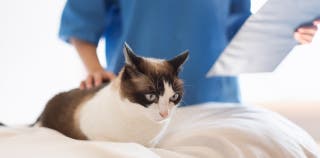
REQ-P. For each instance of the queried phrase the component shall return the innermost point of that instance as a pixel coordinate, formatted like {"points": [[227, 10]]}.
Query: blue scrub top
{"points": [[163, 29]]}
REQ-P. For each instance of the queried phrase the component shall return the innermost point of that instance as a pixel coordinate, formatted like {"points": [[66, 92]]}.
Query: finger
{"points": [[305, 42], [297, 36], [97, 79], [306, 37], [316, 22], [308, 30], [108, 76], [82, 85], [303, 38], [89, 81]]}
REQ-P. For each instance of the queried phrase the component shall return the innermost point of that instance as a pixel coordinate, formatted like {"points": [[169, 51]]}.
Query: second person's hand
{"points": [[305, 34]]}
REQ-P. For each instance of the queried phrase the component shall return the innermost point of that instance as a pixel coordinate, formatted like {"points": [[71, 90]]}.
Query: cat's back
{"points": [[60, 111]]}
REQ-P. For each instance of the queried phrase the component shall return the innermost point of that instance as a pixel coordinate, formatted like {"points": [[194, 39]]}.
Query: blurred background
{"points": [[35, 65]]}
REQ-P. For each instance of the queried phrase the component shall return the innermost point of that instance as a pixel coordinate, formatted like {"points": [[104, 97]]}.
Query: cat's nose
{"points": [[164, 114]]}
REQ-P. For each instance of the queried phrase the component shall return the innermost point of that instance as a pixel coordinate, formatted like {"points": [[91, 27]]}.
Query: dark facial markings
{"points": [[136, 85], [143, 79], [135, 88]]}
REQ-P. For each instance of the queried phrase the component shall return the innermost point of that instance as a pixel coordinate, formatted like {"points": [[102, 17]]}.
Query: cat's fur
{"points": [[134, 107]]}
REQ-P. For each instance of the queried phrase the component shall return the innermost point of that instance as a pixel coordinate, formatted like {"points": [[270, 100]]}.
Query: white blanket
{"points": [[205, 131]]}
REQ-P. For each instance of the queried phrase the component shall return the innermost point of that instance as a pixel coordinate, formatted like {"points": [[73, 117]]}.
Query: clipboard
{"points": [[266, 38]]}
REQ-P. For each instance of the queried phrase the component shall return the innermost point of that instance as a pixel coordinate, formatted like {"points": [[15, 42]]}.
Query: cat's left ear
{"points": [[179, 60], [130, 58]]}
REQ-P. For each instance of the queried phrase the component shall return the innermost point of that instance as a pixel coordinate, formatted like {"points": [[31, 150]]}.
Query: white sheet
{"points": [[204, 131]]}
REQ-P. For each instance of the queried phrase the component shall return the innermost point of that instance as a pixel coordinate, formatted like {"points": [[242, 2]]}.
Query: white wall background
{"points": [[35, 64]]}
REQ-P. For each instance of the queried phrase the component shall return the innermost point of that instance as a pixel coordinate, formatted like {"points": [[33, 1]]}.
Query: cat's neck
{"points": [[107, 116]]}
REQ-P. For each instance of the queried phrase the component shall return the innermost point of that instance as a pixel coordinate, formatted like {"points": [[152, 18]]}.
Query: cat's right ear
{"points": [[130, 57]]}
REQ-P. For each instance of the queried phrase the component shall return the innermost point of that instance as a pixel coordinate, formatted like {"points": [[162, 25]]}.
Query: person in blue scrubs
{"points": [[159, 29]]}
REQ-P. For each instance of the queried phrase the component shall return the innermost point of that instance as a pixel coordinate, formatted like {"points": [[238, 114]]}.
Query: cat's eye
{"points": [[174, 97], [151, 97]]}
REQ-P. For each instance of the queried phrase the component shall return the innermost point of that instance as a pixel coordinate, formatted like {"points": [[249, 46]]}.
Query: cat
{"points": [[136, 106]]}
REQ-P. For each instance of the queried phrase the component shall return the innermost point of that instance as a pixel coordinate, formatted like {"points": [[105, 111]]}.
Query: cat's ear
{"points": [[130, 72], [179, 60], [130, 57]]}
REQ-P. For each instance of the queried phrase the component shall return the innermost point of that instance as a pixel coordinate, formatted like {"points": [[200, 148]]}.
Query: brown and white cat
{"points": [[134, 107]]}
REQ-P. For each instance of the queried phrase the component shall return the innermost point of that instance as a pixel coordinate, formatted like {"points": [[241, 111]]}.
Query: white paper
{"points": [[266, 37]]}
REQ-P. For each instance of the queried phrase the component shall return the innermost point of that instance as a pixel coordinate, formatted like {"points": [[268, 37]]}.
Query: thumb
{"points": [[316, 22]]}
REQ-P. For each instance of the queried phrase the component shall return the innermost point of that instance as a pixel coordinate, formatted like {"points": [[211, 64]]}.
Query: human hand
{"points": [[96, 74], [96, 78], [305, 34]]}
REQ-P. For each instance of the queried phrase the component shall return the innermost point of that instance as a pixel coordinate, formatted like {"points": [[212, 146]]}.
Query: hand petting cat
{"points": [[96, 73], [96, 78], [305, 34]]}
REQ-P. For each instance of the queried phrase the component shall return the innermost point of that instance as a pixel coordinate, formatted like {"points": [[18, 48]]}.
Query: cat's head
{"points": [[152, 83]]}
